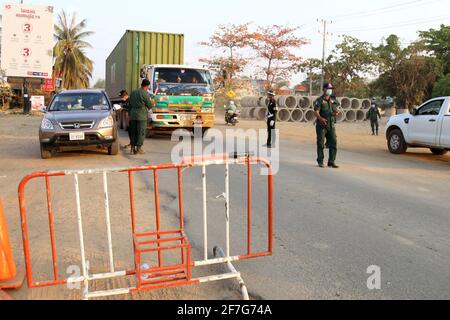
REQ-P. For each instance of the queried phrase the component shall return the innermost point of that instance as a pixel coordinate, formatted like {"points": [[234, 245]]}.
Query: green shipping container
{"points": [[138, 48]]}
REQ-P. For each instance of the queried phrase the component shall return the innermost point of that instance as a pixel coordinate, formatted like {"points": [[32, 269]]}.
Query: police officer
{"points": [[374, 116], [326, 108], [272, 111], [140, 104]]}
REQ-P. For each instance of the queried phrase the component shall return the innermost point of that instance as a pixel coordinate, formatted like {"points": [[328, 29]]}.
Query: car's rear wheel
{"points": [[113, 150], [396, 142], [45, 153], [439, 152]]}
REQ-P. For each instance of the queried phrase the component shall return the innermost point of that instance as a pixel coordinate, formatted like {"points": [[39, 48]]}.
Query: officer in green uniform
{"points": [[326, 108], [374, 115], [139, 105]]}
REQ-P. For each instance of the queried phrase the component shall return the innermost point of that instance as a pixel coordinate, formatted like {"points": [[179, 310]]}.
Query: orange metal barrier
{"points": [[157, 241]]}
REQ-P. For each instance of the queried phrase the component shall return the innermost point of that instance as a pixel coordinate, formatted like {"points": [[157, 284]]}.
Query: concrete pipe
{"points": [[356, 104], [283, 115], [252, 113], [350, 116], [255, 102], [289, 102], [244, 102], [308, 102], [366, 104], [261, 114], [299, 102], [341, 116], [361, 115], [309, 115], [245, 113], [297, 115], [262, 102], [346, 103]]}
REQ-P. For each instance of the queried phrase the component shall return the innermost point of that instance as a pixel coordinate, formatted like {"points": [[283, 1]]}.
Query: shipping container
{"points": [[138, 48]]}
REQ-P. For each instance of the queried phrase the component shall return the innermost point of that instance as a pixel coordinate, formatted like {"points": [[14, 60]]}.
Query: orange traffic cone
{"points": [[8, 269], [9, 278]]}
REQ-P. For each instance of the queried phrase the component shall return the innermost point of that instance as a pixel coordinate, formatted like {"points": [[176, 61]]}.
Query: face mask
{"points": [[329, 92]]}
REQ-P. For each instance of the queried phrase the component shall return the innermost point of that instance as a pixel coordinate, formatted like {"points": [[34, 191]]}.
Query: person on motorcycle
{"points": [[231, 111]]}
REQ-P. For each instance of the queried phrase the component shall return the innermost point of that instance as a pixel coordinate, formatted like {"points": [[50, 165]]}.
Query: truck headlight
{"points": [[106, 123], [47, 125]]}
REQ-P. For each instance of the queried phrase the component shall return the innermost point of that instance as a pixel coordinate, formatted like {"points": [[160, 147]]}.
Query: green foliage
{"points": [[442, 87], [100, 84], [437, 42], [72, 64]]}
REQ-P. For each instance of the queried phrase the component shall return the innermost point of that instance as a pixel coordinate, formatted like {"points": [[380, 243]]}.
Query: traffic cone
{"points": [[8, 269]]}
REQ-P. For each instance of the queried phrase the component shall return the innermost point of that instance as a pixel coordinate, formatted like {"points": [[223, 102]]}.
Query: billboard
{"points": [[27, 40]]}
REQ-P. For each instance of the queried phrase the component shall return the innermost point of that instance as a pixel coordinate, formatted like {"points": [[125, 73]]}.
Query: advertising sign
{"points": [[37, 103], [27, 40], [49, 85]]}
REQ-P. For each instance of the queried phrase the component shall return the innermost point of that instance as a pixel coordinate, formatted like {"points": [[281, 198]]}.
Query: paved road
{"points": [[331, 225]]}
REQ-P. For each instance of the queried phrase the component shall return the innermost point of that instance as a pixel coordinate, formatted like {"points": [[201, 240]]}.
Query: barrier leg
{"points": [[218, 253]]}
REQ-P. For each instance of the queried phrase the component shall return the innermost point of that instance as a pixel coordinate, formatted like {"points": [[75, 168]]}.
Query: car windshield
{"points": [[178, 81], [79, 102]]}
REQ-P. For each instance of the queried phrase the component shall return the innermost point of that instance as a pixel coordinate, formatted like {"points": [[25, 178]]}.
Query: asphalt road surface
{"points": [[378, 209]]}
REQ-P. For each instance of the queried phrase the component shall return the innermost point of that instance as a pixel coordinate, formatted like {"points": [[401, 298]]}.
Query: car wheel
{"points": [[113, 150], [396, 142], [45, 154], [439, 152]]}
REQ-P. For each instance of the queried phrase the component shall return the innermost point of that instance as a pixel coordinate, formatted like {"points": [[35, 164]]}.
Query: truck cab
{"points": [[183, 98], [427, 127]]}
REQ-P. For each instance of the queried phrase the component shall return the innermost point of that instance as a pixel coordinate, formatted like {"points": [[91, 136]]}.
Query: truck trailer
{"points": [[183, 95]]}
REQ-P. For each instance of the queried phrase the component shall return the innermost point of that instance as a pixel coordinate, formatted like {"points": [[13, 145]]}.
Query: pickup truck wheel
{"points": [[113, 150], [396, 142], [45, 154], [439, 152]]}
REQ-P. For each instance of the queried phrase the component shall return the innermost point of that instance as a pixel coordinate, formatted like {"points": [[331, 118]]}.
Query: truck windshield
{"points": [[79, 102], [177, 81]]}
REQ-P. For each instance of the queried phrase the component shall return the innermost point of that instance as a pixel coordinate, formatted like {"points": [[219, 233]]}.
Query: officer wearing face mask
{"points": [[326, 108], [272, 111]]}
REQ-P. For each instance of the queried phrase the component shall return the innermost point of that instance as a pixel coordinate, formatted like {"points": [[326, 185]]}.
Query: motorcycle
{"points": [[232, 118]]}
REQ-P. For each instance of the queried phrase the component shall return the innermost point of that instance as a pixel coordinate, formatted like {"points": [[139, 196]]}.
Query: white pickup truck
{"points": [[427, 127]]}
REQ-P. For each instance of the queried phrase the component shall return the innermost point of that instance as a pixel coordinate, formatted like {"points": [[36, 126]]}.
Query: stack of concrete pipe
{"points": [[301, 109]]}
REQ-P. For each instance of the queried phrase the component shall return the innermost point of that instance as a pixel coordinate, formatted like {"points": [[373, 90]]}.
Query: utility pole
{"points": [[325, 35]]}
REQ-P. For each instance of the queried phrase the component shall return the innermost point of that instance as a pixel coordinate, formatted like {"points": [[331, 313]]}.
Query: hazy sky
{"points": [[198, 19]]}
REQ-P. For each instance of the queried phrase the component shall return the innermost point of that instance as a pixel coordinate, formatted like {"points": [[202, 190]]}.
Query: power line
{"points": [[404, 24], [400, 6]]}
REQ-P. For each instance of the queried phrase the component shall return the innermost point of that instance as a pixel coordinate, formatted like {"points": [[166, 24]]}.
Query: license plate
{"points": [[77, 136]]}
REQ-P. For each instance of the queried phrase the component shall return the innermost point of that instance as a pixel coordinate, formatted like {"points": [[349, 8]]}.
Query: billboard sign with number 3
{"points": [[27, 40]]}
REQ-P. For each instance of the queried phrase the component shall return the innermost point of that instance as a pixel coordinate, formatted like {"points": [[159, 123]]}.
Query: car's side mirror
{"points": [[117, 107], [43, 109]]}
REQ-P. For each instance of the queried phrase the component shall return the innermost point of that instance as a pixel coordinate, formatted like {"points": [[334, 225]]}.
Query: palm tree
{"points": [[71, 62]]}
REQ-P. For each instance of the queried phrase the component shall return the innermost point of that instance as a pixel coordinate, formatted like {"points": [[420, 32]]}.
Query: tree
{"points": [[409, 76], [274, 46], [442, 87], [438, 43], [348, 65], [312, 67], [72, 64], [100, 84], [229, 39]]}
